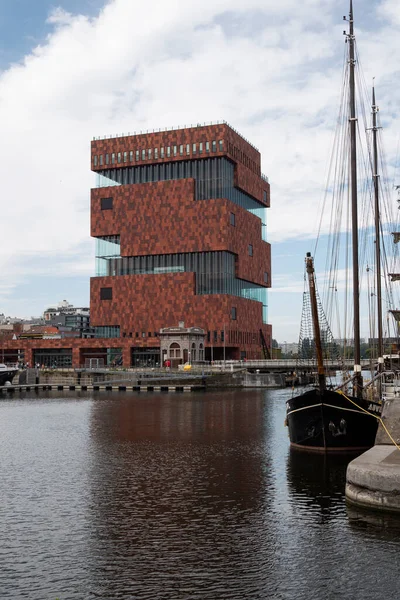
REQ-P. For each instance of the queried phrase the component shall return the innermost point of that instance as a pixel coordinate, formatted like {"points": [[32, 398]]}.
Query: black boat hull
{"points": [[7, 376], [329, 422]]}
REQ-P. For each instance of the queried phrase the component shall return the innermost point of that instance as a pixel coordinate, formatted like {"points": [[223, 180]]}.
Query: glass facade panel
{"points": [[214, 179], [107, 332], [53, 357], [107, 248]]}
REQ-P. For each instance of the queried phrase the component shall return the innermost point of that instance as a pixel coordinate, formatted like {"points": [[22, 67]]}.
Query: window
{"points": [[187, 149], [113, 158], [107, 159], [162, 152], [137, 155], [156, 153], [208, 336], [175, 150], [221, 145], [207, 146], [222, 336], [106, 293], [201, 148], [181, 149], [131, 156], [149, 152], [101, 160], [149, 334], [125, 157], [233, 313], [250, 250], [215, 336], [106, 203], [233, 219], [119, 157], [266, 277], [194, 148], [265, 196], [214, 146], [137, 334], [143, 334], [143, 154], [95, 160], [168, 150]]}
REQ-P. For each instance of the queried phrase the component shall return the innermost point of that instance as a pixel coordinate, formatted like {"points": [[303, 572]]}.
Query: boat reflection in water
{"points": [[317, 481]]}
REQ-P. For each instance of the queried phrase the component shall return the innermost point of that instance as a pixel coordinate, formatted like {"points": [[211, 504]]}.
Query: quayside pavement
{"points": [[373, 479]]}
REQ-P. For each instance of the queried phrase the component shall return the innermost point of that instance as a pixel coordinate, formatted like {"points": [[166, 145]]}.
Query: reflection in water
{"points": [[191, 477], [159, 496], [317, 480]]}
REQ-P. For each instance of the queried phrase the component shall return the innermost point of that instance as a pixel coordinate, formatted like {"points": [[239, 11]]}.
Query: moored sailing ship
{"points": [[334, 419]]}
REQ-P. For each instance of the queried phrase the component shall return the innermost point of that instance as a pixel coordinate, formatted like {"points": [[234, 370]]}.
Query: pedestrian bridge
{"points": [[291, 364]]}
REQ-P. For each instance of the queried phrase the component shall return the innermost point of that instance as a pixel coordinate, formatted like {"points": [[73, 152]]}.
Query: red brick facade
{"points": [[163, 218], [247, 159]]}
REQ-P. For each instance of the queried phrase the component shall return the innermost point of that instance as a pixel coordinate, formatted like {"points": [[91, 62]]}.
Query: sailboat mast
{"points": [[316, 328], [353, 179], [377, 232]]}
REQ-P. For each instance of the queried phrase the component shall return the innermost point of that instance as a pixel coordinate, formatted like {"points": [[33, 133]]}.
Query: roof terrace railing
{"points": [[144, 132]]}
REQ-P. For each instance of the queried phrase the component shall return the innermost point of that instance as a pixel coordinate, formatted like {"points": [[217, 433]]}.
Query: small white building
{"points": [[181, 345]]}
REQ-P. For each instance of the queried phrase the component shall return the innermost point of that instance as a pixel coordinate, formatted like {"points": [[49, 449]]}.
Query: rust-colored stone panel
{"points": [[164, 218], [143, 303], [245, 156]]}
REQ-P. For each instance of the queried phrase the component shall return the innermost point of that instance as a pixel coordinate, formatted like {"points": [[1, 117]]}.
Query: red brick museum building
{"points": [[179, 219]]}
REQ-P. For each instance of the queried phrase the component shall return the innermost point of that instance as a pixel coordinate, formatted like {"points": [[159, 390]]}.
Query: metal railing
{"points": [[172, 128]]}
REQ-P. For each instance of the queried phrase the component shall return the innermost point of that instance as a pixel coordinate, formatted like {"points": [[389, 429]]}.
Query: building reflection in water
{"points": [[180, 491]]}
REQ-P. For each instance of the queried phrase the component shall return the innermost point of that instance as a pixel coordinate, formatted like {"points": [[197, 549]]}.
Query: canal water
{"points": [[178, 496]]}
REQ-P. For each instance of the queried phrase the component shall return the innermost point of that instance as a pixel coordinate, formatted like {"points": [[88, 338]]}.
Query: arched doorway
{"points": [[175, 354]]}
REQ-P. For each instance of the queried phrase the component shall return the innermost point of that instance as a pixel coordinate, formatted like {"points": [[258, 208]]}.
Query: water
{"points": [[161, 496]]}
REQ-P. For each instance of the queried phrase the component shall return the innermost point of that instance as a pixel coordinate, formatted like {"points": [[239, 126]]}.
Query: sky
{"points": [[75, 69]]}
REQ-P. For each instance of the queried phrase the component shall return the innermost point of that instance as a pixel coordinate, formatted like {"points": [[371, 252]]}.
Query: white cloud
{"points": [[271, 69]]}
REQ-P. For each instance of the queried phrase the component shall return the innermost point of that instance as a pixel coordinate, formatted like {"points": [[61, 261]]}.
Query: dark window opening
{"points": [[233, 313], [106, 203], [250, 250], [233, 219], [215, 336], [106, 293]]}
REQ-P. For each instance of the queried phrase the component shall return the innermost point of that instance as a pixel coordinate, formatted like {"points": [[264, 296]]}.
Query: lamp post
{"points": [[224, 347]]}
